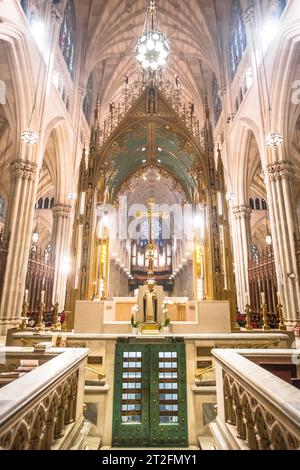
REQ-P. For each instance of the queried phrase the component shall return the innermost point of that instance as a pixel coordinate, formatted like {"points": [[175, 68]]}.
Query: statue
{"points": [[150, 304], [151, 101]]}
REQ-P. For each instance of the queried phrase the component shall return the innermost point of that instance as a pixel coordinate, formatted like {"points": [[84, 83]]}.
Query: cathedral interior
{"points": [[150, 225]]}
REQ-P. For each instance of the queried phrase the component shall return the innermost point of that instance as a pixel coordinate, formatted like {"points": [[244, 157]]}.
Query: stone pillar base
{"points": [[8, 324]]}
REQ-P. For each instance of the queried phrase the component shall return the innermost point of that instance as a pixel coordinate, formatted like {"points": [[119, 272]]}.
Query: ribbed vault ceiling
{"points": [[113, 26]]}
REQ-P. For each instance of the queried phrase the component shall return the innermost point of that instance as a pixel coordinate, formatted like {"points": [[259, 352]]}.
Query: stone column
{"points": [[242, 250], [60, 243], [17, 237], [284, 235]]}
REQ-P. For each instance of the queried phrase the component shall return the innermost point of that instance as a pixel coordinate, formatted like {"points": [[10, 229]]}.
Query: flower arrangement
{"points": [[165, 325], [135, 323]]}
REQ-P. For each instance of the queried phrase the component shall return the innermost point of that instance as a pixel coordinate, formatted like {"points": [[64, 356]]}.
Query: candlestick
{"points": [[279, 297], [265, 317], [248, 325], [280, 314]]}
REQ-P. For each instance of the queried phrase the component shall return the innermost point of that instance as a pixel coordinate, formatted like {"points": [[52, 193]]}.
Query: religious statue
{"points": [[151, 101], [150, 304]]}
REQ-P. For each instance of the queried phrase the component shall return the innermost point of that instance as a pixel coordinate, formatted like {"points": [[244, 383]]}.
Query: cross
{"points": [[150, 214]]}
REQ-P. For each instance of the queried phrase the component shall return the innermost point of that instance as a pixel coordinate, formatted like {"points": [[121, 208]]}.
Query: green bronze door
{"points": [[150, 395]]}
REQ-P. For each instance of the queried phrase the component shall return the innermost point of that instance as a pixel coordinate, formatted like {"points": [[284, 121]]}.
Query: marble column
{"points": [[60, 243], [242, 250], [17, 237], [284, 235]]}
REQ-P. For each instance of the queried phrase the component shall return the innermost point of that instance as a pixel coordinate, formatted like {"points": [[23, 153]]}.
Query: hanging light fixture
{"points": [[35, 235], [30, 137], [268, 240], [72, 196], [274, 139], [153, 47]]}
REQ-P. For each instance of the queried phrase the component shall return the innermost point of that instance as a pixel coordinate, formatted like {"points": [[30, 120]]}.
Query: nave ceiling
{"points": [[113, 27]]}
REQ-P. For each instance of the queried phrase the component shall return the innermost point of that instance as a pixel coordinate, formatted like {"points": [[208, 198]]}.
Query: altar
{"points": [[113, 317]]}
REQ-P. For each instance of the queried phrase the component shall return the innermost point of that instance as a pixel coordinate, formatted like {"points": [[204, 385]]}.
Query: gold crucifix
{"points": [[150, 214]]}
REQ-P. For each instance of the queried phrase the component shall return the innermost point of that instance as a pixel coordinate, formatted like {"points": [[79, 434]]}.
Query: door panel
{"points": [[131, 397], [168, 417], [150, 395]]}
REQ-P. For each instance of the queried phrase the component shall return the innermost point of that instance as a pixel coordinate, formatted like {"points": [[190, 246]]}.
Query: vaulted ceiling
{"points": [[110, 29]]}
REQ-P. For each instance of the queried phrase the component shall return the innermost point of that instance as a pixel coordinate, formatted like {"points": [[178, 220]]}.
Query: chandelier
{"points": [[30, 137], [153, 47], [274, 140]]}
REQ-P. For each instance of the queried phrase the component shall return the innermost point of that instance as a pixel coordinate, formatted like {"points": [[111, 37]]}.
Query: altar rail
{"points": [[43, 410], [256, 409]]}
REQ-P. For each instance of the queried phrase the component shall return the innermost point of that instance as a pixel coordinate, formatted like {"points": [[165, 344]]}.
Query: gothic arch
{"points": [[170, 118], [283, 75], [243, 174], [23, 82]]}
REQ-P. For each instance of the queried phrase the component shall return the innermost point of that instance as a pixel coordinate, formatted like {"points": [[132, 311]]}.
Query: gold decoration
{"points": [[265, 317], [248, 318]]}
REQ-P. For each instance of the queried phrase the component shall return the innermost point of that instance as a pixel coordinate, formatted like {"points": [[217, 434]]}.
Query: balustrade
{"points": [[44, 408], [250, 415]]}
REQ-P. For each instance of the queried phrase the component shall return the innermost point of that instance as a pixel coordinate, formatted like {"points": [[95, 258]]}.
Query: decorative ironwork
{"points": [[131, 93]]}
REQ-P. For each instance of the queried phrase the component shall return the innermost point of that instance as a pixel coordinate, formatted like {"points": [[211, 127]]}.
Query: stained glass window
{"points": [[67, 39], [88, 100], [217, 103], [282, 5], [24, 5], [2, 207], [156, 230], [276, 7], [237, 36]]}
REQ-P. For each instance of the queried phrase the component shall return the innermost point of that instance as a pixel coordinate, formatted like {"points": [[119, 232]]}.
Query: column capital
{"points": [[61, 210], [282, 170], [22, 169], [242, 212], [249, 14]]}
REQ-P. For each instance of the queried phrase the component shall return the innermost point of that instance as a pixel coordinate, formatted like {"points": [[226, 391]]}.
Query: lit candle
{"points": [[42, 296], [263, 298], [246, 298], [26, 296]]}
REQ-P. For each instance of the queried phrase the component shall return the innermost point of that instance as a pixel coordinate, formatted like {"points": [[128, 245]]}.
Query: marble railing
{"points": [[43, 410], [256, 409]]}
